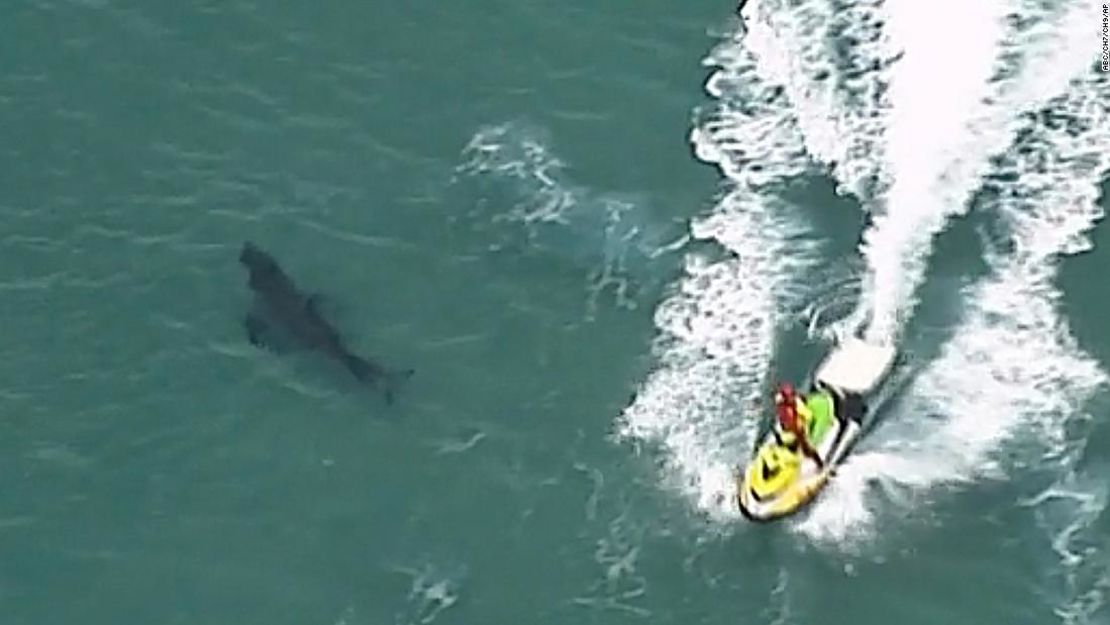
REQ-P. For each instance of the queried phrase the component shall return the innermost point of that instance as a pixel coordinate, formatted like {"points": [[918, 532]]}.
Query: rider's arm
{"points": [[812, 453]]}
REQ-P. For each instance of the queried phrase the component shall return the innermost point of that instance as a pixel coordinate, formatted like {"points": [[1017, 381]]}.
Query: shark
{"points": [[279, 306]]}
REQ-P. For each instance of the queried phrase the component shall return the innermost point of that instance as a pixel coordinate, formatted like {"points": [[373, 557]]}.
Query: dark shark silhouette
{"points": [[280, 306]]}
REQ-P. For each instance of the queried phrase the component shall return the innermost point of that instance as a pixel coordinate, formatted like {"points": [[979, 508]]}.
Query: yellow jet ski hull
{"points": [[761, 500], [779, 482]]}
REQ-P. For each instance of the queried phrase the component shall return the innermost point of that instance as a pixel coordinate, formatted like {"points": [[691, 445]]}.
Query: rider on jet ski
{"points": [[794, 419]]}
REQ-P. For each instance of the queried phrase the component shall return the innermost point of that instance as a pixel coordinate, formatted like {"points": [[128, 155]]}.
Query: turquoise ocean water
{"points": [[597, 231]]}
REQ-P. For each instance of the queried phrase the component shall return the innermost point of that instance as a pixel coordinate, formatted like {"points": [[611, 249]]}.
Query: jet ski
{"points": [[780, 479]]}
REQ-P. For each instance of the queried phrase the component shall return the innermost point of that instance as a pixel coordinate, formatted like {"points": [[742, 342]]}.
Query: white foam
{"points": [[517, 152], [432, 591], [957, 101], [1012, 368], [716, 332], [621, 586], [1069, 510], [702, 404], [610, 232], [838, 103]]}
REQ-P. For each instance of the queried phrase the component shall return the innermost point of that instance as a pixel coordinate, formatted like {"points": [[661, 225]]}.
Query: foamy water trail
{"points": [[432, 592], [956, 102], [524, 189], [520, 154], [1069, 510], [716, 332], [833, 62], [1012, 372]]}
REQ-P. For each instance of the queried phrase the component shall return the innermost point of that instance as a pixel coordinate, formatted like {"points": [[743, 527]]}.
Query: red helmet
{"points": [[785, 392]]}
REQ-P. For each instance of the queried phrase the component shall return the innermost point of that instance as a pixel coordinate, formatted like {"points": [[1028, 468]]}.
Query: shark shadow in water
{"points": [[280, 308]]}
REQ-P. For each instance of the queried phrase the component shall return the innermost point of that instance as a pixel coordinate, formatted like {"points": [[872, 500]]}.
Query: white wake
{"points": [[1012, 377], [716, 332], [1012, 365], [969, 71]]}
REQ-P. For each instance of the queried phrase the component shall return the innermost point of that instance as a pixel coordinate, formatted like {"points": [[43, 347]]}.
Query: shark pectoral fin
{"points": [[255, 327]]}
